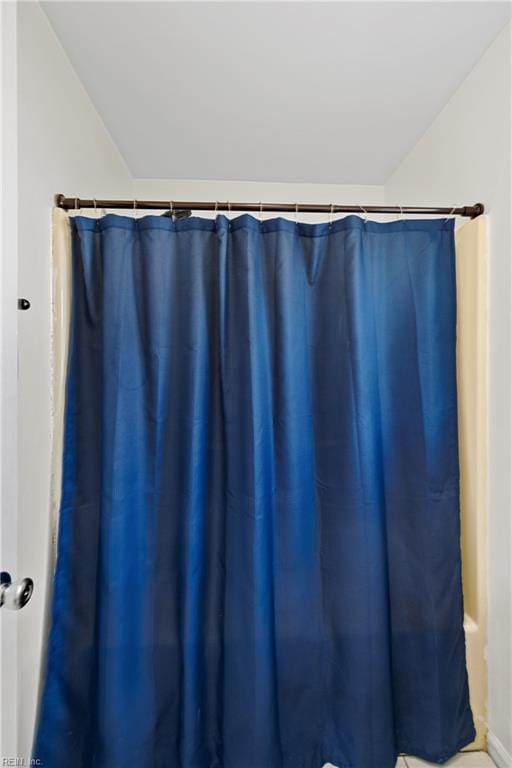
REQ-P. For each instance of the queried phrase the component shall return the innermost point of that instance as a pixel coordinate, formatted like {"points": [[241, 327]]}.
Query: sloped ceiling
{"points": [[316, 92]]}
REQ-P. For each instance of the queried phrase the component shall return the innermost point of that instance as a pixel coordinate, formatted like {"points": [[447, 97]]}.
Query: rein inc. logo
{"points": [[20, 761]]}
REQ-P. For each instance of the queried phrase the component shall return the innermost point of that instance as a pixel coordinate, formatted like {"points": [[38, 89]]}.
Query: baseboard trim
{"points": [[497, 751]]}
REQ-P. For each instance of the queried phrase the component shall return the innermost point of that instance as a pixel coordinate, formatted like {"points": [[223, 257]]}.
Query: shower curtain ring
{"points": [[261, 211], [451, 212], [330, 215], [296, 213], [365, 214]]}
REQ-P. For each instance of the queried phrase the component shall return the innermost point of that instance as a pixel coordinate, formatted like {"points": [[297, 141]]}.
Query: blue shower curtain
{"points": [[259, 556]]}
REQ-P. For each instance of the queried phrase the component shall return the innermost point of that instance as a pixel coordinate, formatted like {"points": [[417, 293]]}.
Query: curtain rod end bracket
{"points": [[478, 210]]}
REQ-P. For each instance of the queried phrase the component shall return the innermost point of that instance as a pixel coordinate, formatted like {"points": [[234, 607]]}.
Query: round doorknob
{"points": [[15, 594]]}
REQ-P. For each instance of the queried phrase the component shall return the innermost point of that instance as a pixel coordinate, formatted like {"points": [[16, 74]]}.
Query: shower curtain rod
{"points": [[180, 206]]}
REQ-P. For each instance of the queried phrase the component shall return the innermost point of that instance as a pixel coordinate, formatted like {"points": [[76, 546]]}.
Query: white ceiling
{"points": [[293, 92]]}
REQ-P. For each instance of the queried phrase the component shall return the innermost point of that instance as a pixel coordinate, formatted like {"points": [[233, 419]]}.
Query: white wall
{"points": [[465, 157], [255, 191], [63, 147]]}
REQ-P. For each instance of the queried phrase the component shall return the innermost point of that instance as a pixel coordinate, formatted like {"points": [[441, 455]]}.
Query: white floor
{"points": [[462, 760]]}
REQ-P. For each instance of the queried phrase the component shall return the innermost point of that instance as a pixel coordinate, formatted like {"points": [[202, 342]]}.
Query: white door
{"points": [[17, 593], [8, 380]]}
